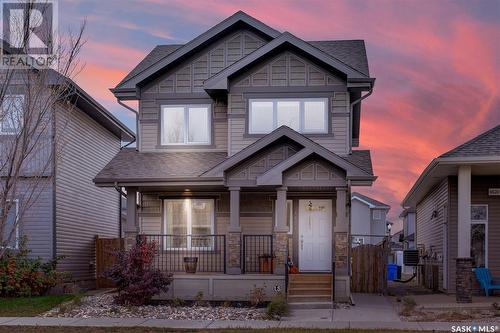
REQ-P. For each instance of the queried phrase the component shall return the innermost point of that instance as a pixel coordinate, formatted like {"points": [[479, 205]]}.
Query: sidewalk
{"points": [[203, 324]]}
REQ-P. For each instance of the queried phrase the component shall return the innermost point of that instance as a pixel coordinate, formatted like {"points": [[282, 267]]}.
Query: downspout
{"points": [[351, 115], [136, 139], [122, 193]]}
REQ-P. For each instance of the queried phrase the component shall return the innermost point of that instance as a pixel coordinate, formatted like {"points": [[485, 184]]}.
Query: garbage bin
{"points": [[392, 272]]}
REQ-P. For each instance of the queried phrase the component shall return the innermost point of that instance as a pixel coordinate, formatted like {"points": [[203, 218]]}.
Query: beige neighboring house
{"points": [[246, 154], [457, 205]]}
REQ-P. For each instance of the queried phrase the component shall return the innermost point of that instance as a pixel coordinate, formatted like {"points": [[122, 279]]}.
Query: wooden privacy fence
{"points": [[105, 258], [369, 268]]}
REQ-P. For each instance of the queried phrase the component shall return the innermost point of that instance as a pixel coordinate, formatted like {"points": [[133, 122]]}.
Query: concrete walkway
{"points": [[204, 324]]}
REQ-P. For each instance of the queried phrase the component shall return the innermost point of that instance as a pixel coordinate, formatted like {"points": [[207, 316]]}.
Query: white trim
{"points": [[485, 222], [354, 197], [189, 222], [302, 111], [186, 108]]}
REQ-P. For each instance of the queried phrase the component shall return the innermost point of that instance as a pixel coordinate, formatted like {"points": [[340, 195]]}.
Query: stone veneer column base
{"points": [[234, 253], [280, 245], [464, 280], [341, 253]]}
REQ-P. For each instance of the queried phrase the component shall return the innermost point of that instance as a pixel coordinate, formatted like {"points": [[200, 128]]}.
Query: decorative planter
{"points": [[190, 264], [265, 263]]}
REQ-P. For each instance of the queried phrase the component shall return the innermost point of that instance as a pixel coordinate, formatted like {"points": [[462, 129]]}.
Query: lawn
{"points": [[30, 306], [31, 329]]}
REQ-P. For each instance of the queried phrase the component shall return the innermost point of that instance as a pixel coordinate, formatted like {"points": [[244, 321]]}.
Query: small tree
{"points": [[30, 98], [136, 277]]}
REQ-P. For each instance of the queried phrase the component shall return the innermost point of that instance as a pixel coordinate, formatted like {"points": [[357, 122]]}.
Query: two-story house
{"points": [[369, 223], [54, 204], [245, 158], [408, 217]]}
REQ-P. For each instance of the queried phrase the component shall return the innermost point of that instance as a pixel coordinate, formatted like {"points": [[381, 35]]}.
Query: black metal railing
{"points": [[257, 254], [210, 251]]}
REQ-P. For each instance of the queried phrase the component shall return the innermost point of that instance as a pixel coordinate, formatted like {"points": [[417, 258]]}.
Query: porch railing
{"points": [[172, 249], [257, 254]]}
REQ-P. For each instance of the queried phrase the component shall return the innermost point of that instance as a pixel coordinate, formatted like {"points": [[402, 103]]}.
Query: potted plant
{"points": [[265, 263], [190, 264]]}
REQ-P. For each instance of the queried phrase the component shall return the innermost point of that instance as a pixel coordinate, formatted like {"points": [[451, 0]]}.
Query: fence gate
{"points": [[104, 258], [369, 267]]}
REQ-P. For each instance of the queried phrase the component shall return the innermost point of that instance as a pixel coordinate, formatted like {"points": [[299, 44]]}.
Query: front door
{"points": [[315, 235]]}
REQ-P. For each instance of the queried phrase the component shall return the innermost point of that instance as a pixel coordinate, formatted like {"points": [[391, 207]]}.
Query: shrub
{"points": [[135, 276], [257, 295], [408, 307], [24, 276], [278, 306]]}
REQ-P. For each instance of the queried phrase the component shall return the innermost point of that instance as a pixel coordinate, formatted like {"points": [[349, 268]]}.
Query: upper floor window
{"points": [[304, 115], [185, 124], [376, 214], [11, 114]]}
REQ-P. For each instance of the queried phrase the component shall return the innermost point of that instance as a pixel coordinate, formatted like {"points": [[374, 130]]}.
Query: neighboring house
{"points": [[244, 158], [68, 210], [457, 204], [408, 216], [369, 223]]}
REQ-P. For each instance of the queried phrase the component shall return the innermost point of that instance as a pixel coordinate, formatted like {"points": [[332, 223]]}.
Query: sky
{"points": [[436, 64]]}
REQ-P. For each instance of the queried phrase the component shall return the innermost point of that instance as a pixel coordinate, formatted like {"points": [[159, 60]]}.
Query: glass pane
{"points": [[478, 245], [198, 125], [201, 222], [261, 117], [314, 116], [11, 117], [289, 114], [176, 214], [478, 213], [173, 125], [9, 232]]}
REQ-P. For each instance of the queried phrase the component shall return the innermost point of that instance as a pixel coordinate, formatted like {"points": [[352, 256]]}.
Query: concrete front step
{"points": [[309, 305], [309, 298]]}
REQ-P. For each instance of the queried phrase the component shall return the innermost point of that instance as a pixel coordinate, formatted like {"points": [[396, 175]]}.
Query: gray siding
{"points": [[82, 209], [36, 224], [429, 229], [185, 85], [268, 80]]}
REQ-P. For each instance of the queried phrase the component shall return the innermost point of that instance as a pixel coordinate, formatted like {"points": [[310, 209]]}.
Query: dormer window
{"points": [[185, 125], [304, 115]]}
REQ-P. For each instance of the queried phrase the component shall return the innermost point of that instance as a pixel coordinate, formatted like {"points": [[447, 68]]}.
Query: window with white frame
{"points": [[304, 115], [185, 125], [479, 235], [376, 214], [11, 114], [289, 216], [10, 237], [188, 222]]}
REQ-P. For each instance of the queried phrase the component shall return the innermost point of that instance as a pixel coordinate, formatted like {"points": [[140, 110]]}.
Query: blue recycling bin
{"points": [[392, 272]]}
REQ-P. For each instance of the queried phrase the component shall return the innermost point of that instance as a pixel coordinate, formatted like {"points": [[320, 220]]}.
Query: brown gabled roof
{"points": [[131, 165], [485, 144]]}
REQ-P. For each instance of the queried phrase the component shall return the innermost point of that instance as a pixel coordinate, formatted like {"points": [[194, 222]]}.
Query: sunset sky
{"points": [[437, 64]]}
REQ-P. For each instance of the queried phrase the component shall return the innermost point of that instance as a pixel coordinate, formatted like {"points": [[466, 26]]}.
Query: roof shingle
{"points": [[485, 144]]}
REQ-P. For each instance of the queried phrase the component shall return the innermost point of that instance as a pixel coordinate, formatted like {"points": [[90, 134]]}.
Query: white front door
{"points": [[315, 235]]}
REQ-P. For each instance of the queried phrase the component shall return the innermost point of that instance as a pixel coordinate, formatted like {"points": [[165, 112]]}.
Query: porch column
{"points": [[341, 241], [280, 241], [234, 233], [464, 260], [131, 226]]}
